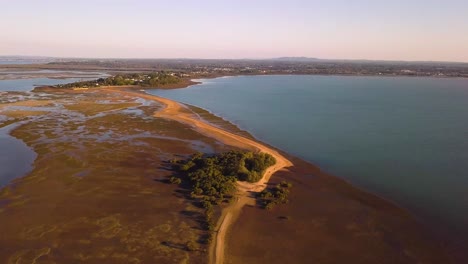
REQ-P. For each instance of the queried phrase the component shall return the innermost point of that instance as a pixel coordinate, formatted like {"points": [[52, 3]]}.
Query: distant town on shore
{"points": [[200, 68]]}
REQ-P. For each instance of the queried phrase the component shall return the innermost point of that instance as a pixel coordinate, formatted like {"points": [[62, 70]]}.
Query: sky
{"points": [[413, 30]]}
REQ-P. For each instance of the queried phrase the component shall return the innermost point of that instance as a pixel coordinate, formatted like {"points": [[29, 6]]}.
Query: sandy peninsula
{"points": [[245, 191]]}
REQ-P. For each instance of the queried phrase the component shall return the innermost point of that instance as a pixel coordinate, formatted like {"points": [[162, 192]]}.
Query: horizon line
{"points": [[231, 59]]}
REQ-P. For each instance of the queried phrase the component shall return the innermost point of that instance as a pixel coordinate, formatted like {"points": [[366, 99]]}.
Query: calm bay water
{"points": [[21, 61], [405, 139], [25, 85]]}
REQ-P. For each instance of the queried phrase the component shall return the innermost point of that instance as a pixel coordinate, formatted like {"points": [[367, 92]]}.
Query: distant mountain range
{"points": [[365, 61]]}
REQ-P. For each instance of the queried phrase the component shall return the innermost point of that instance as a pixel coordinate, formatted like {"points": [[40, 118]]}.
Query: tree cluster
{"points": [[214, 176], [211, 179], [154, 79]]}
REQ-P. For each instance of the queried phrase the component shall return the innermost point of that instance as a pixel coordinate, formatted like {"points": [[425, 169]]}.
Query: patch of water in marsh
{"points": [[16, 158]]}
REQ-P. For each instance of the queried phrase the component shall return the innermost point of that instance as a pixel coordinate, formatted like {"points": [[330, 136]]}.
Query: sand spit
{"points": [[245, 191]]}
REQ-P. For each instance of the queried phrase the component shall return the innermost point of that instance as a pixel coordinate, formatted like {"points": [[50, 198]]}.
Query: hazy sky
{"points": [[347, 29]]}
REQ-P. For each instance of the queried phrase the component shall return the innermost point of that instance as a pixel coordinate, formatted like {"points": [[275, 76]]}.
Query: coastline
{"points": [[226, 220], [359, 194], [382, 202], [241, 129], [433, 233], [245, 130], [187, 83]]}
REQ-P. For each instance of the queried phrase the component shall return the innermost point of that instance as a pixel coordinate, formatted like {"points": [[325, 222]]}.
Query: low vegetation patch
{"points": [[270, 197]]}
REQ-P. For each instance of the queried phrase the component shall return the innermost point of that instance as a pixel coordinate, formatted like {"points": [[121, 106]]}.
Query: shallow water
{"points": [[405, 139], [25, 85], [16, 158]]}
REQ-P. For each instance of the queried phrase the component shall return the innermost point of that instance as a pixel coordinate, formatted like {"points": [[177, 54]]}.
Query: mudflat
{"points": [[329, 221], [97, 193]]}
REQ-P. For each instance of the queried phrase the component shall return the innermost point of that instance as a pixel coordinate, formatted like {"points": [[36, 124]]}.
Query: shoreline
{"points": [[198, 81], [441, 235], [227, 219], [192, 81], [434, 232]]}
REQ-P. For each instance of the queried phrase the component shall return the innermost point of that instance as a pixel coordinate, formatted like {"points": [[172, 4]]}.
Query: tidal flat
{"points": [[97, 193]]}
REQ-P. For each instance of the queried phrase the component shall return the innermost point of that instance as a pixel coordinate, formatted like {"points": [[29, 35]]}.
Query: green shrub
{"points": [[269, 206], [276, 195], [175, 180], [191, 246]]}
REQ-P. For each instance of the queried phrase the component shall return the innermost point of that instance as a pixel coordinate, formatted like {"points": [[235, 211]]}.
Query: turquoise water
{"points": [[405, 139]]}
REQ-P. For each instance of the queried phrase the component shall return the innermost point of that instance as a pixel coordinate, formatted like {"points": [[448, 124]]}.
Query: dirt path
{"points": [[245, 190]]}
